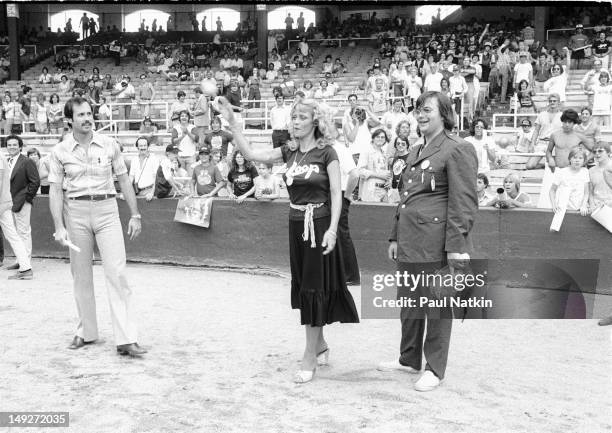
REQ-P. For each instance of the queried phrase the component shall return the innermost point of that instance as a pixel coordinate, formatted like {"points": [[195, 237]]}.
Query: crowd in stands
{"points": [[379, 126]]}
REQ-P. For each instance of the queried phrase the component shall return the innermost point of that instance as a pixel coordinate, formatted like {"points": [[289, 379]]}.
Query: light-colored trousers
{"points": [[86, 222], [10, 233], [24, 229]]}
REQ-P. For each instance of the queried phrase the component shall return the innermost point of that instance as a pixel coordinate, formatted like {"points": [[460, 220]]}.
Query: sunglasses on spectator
{"points": [[525, 125], [600, 150]]}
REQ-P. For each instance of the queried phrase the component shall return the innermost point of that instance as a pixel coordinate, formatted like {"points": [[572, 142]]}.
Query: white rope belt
{"points": [[308, 210]]}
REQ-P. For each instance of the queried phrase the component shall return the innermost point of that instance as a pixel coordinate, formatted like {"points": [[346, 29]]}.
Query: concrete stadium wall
{"points": [[253, 235]]}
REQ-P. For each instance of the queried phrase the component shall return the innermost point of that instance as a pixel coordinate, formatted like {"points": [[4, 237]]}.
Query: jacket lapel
{"points": [[20, 160], [431, 148]]}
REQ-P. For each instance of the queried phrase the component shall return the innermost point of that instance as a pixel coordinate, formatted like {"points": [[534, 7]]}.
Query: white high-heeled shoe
{"points": [[304, 376], [323, 357]]}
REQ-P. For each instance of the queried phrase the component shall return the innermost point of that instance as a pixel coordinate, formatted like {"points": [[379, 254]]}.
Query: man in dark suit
{"points": [[24, 185], [432, 229]]}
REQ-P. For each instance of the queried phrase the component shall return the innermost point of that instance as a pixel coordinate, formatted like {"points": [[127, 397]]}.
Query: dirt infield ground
{"points": [[223, 348]]}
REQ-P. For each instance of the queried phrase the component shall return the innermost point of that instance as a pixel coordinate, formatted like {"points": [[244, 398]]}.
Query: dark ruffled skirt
{"points": [[318, 286]]}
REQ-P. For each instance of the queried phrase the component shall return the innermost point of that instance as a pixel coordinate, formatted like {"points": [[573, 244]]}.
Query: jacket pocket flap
{"points": [[431, 216]]}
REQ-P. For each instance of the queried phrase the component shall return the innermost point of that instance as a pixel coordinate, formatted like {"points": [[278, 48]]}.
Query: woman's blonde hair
{"points": [[322, 117], [516, 179]]}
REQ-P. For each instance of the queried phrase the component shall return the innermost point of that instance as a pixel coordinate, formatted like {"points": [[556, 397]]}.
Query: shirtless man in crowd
{"points": [[563, 140]]}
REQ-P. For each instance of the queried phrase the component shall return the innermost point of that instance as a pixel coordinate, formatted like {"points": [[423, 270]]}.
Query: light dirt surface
{"points": [[224, 347]]}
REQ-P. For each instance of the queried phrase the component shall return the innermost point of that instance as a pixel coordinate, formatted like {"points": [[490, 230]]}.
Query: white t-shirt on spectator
{"points": [[238, 63], [187, 147], [144, 176], [548, 123], [522, 71], [557, 85], [279, 117], [481, 151], [573, 180], [432, 82]]}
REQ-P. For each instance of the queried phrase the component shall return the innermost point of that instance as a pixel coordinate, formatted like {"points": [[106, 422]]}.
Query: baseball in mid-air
{"points": [[209, 89]]}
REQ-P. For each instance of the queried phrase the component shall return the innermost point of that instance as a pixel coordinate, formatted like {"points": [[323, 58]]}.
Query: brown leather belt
{"points": [[95, 197]]}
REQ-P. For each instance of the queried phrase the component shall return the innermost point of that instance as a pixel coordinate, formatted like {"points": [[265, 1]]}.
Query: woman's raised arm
{"points": [[246, 148]]}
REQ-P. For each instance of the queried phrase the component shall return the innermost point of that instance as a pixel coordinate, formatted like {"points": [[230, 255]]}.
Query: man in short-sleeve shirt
{"points": [[207, 180], [601, 49], [84, 211], [218, 138]]}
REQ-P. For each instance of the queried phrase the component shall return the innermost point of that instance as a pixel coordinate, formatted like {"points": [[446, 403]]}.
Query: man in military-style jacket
{"points": [[431, 229]]}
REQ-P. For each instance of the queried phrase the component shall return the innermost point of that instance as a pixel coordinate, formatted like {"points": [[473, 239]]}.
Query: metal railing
{"points": [[184, 44], [339, 40], [571, 29], [24, 46]]}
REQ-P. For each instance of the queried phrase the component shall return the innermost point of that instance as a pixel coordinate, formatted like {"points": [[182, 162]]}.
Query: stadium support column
{"points": [[540, 18], [262, 33], [12, 15]]}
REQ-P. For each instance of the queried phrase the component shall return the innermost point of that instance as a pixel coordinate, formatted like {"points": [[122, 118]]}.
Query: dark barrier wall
{"points": [[254, 235]]}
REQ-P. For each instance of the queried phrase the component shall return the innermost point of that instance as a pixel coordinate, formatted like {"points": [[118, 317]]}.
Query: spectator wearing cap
{"points": [[143, 169], [577, 43], [165, 182], [279, 122], [487, 59], [206, 179], [524, 136], [523, 70], [287, 85]]}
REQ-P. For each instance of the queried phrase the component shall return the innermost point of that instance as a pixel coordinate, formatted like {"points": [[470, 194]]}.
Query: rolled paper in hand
{"points": [[603, 215], [70, 245], [562, 200], [73, 246]]}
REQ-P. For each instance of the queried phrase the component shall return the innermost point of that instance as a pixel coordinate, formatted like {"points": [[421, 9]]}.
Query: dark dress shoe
{"points": [[78, 342], [133, 350], [12, 267]]}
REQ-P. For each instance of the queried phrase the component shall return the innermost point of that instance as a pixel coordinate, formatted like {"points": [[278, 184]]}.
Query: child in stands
{"points": [[575, 180], [266, 185]]}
